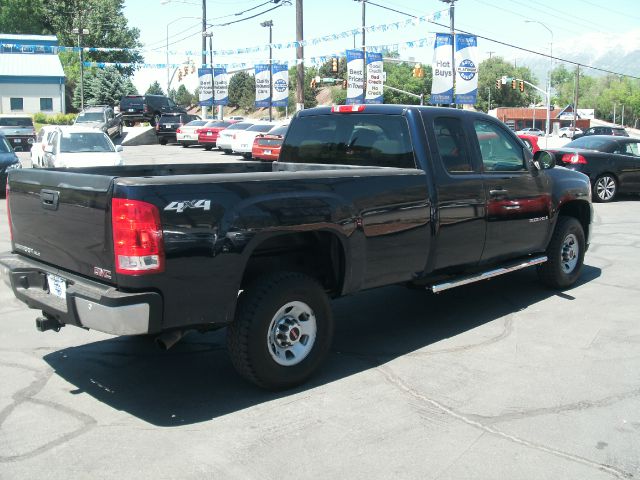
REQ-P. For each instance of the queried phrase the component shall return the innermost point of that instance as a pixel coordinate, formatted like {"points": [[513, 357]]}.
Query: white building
{"points": [[31, 75]]}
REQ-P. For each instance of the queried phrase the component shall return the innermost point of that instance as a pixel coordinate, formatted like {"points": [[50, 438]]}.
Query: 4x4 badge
{"points": [[180, 207]]}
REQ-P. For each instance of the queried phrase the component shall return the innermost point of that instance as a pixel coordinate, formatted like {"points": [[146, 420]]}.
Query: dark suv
{"points": [[146, 108], [615, 131], [169, 123]]}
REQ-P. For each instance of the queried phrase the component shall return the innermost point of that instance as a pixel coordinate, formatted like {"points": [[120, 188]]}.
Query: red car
{"points": [[208, 134], [530, 141], [267, 146]]}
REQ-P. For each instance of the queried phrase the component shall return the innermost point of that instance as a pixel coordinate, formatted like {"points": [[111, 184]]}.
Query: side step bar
{"points": [[441, 287]]}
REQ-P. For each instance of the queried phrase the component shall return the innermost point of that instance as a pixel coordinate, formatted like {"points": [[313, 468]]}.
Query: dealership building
{"points": [[31, 76]]}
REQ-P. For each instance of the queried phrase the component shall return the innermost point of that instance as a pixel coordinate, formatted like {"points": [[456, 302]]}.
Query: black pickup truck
{"points": [[361, 197]]}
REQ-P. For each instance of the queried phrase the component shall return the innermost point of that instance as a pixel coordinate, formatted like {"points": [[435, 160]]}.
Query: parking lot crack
{"points": [[402, 386]]}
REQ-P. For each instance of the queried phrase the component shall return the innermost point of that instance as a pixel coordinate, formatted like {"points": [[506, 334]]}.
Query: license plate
{"points": [[18, 140], [167, 125], [209, 134], [244, 145], [57, 286], [267, 152]]}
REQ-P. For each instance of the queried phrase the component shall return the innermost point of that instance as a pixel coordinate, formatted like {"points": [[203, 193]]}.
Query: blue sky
{"points": [[572, 22]]}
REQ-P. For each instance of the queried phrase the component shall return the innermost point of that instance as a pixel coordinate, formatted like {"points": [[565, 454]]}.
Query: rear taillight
{"points": [[137, 237], [347, 108], [178, 131], [9, 212], [574, 159], [146, 109]]}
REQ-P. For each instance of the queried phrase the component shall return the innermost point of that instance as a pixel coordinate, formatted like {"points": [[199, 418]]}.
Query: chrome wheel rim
{"points": [[570, 253], [605, 188], [292, 333]]}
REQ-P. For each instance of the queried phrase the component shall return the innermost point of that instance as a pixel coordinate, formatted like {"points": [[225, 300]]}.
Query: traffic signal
{"points": [[498, 84], [344, 84], [193, 69], [521, 85], [313, 83], [513, 84], [179, 75], [334, 64], [418, 71]]}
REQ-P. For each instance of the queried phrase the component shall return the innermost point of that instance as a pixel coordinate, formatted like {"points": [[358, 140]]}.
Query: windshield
{"points": [[73, 142], [590, 143], [16, 122], [239, 126], [90, 117], [4, 145], [260, 128]]}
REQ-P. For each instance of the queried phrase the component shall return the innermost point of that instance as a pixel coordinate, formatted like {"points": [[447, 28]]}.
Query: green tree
{"points": [[400, 76], [495, 68], [104, 87], [154, 89], [242, 90], [22, 17], [184, 97], [309, 93]]}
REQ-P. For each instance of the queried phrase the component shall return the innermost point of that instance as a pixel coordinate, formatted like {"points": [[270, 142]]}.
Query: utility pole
{"points": [[204, 52], [299, 57], [269, 23], [575, 97], [213, 91], [490, 53], [453, 45], [81, 31], [364, 52]]}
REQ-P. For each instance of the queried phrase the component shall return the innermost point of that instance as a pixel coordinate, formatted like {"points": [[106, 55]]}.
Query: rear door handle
{"points": [[496, 193]]}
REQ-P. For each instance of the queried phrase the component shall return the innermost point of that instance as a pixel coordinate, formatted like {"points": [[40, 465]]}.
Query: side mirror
{"points": [[544, 160], [119, 148]]}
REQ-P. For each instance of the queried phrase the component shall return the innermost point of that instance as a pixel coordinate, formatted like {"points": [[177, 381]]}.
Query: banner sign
{"points": [[355, 77], [375, 78], [442, 86], [280, 75], [221, 86], [263, 88], [204, 75], [466, 69]]}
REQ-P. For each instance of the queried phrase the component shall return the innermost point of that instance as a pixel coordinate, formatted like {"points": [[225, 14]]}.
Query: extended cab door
{"points": [[518, 199], [461, 203]]}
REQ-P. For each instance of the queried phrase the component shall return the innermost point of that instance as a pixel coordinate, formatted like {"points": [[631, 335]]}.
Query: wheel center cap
{"points": [[287, 332], [294, 334]]}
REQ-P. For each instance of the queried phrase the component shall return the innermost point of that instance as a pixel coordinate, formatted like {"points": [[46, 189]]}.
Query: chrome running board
{"points": [[441, 287]]}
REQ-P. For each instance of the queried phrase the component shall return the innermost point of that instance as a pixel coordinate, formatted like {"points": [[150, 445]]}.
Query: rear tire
{"points": [[247, 156], [565, 254], [282, 331], [162, 141], [208, 147], [605, 188]]}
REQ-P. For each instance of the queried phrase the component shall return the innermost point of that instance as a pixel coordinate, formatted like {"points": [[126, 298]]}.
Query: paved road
{"points": [[500, 380]]}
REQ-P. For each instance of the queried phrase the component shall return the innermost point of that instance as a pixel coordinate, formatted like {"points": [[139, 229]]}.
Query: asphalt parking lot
{"points": [[499, 380]]}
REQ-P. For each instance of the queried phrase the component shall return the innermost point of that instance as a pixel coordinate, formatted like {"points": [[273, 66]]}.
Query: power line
{"points": [[515, 46]]}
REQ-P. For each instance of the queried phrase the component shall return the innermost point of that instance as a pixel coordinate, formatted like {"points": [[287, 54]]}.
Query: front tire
{"points": [[605, 188], [565, 254], [282, 331]]}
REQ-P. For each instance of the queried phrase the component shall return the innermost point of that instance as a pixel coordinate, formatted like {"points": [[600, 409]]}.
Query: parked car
{"points": [[187, 135], [168, 125], [614, 131], [18, 130], [531, 141], [101, 117], [225, 137], [237, 118], [43, 139], [267, 146], [146, 108], [531, 131], [362, 197], [612, 163], [242, 141], [208, 135], [569, 132], [8, 161], [74, 146]]}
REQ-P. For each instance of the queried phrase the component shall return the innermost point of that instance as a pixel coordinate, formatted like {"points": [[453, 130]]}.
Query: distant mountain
{"points": [[616, 52]]}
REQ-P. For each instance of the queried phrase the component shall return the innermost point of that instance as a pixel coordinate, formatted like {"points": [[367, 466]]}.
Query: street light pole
{"points": [[548, 118], [299, 57], [213, 91], [269, 23], [81, 31]]}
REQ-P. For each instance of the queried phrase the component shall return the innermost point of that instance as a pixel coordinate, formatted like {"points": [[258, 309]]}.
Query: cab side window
{"points": [[452, 145], [500, 152]]}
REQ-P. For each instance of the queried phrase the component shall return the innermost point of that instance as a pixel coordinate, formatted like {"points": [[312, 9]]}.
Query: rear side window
{"points": [[16, 122], [350, 139], [452, 145]]}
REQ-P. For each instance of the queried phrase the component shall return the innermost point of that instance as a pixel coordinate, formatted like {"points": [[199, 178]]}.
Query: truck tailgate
{"points": [[56, 221]]}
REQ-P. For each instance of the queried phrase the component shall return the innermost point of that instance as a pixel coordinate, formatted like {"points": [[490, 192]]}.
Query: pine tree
{"points": [[154, 89]]}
